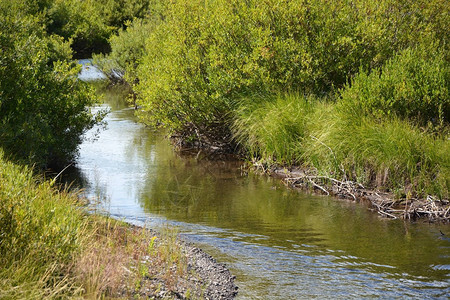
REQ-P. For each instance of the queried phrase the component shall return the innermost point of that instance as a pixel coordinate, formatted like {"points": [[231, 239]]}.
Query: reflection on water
{"points": [[281, 244], [89, 72]]}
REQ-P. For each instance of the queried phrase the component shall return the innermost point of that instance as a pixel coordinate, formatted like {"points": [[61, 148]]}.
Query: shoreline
{"points": [[384, 203], [173, 268]]}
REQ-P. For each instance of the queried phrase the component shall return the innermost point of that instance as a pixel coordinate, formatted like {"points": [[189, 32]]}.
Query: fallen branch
{"points": [[385, 204]]}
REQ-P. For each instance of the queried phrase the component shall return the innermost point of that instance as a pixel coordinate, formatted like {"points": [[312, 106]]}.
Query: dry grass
{"points": [[101, 266], [127, 261]]}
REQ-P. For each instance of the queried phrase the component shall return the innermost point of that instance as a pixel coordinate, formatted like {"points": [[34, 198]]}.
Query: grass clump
{"points": [[391, 154], [41, 231], [274, 128]]}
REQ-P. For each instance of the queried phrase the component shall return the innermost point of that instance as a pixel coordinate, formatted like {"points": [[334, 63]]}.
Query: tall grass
{"points": [[392, 154], [41, 230], [274, 128], [50, 248]]}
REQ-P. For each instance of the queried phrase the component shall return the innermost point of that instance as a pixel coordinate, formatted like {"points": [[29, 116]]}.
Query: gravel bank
{"points": [[197, 275]]}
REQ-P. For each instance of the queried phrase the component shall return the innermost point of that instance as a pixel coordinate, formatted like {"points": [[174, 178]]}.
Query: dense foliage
{"points": [[412, 85], [218, 72], [128, 47], [43, 107], [202, 56], [87, 24]]}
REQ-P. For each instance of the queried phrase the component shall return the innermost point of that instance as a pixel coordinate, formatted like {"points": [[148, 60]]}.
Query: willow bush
{"points": [[43, 107], [128, 47], [206, 54], [413, 85], [174, 88], [290, 81]]}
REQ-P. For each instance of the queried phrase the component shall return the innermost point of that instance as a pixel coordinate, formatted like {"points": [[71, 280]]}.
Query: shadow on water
{"points": [[280, 243]]}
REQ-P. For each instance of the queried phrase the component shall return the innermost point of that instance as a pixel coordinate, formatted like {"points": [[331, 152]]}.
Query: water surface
{"points": [[280, 243]]}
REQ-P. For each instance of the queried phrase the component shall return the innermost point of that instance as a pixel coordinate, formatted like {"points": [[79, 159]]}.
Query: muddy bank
{"points": [[384, 203]]}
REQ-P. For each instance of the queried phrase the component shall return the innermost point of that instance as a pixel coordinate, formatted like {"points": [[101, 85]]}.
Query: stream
{"points": [[280, 243]]}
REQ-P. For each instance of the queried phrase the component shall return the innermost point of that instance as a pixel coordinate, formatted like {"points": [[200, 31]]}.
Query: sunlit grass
{"points": [[392, 154], [274, 129], [50, 248]]}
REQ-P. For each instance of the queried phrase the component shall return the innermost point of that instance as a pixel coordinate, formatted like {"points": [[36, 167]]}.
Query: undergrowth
{"points": [[41, 231], [386, 129], [392, 154], [274, 128]]}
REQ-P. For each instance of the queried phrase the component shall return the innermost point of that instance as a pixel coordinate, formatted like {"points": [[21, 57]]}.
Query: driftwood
{"points": [[431, 208]]}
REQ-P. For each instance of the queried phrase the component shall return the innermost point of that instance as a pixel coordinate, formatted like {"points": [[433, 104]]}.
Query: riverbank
{"points": [[193, 275], [401, 169], [263, 231], [162, 266], [50, 247], [384, 203]]}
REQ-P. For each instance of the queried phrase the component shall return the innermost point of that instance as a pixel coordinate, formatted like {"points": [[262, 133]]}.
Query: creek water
{"points": [[280, 243]]}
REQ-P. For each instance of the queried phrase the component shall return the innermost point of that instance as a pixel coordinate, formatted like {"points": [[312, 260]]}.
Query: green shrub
{"points": [[128, 47], [79, 22], [118, 13], [413, 85], [86, 24], [173, 88], [205, 55], [43, 107]]}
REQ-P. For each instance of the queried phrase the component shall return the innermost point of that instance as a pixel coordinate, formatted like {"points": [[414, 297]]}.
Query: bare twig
{"points": [[383, 202], [387, 214], [319, 187]]}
